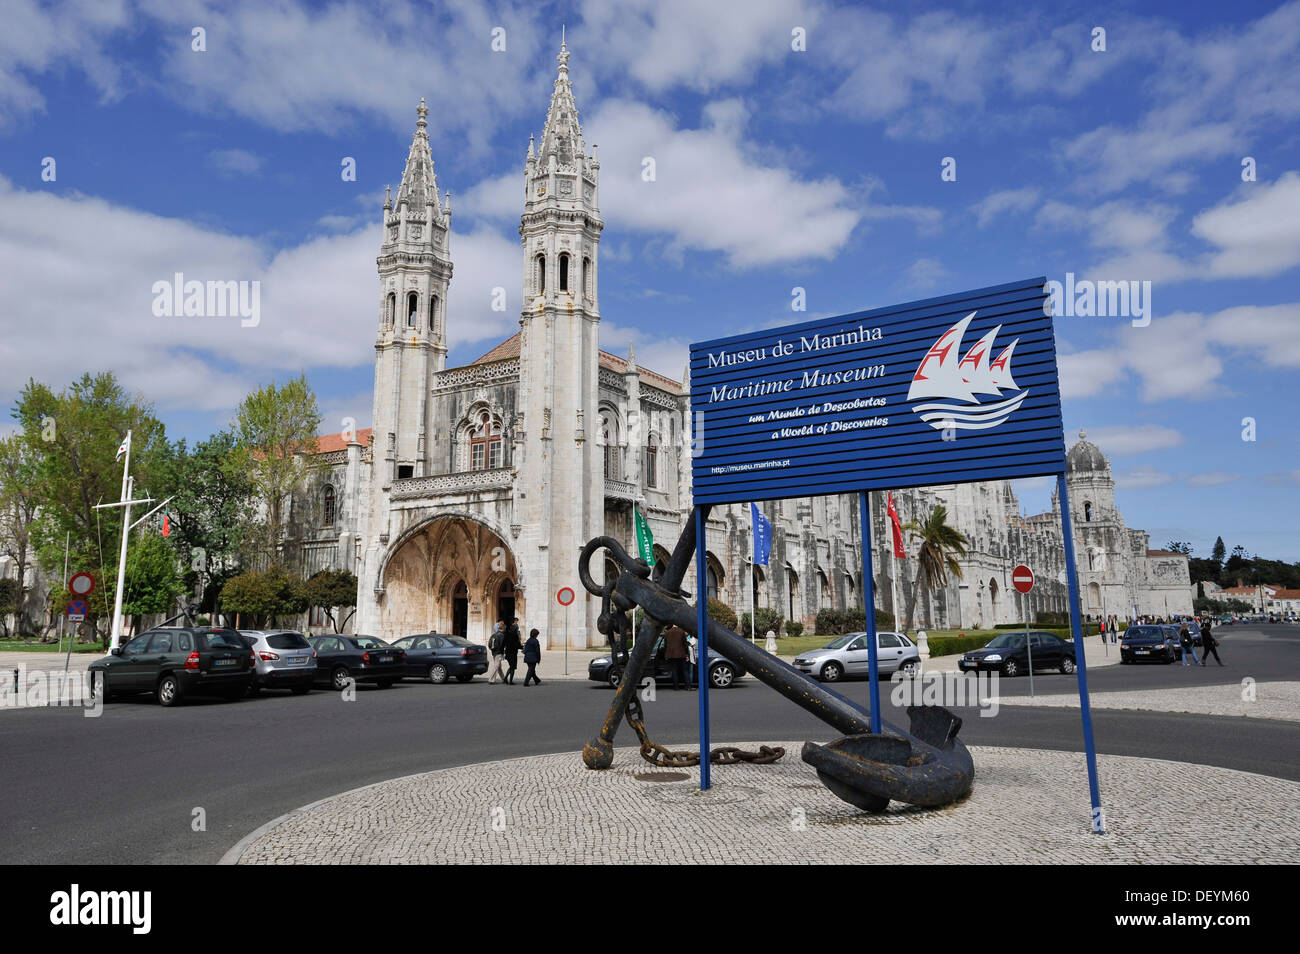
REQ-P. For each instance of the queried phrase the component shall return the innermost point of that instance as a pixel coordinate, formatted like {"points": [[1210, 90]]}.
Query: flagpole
{"points": [[116, 638]]}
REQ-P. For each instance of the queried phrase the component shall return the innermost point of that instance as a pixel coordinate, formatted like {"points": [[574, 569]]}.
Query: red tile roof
{"points": [[333, 442], [509, 349], [1286, 595]]}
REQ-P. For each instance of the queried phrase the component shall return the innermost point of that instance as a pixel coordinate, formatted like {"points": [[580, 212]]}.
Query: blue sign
{"points": [[77, 610], [762, 536], [946, 390]]}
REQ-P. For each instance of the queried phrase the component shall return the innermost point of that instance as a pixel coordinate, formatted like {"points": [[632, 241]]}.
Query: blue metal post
{"points": [[1081, 666], [702, 646], [869, 604]]}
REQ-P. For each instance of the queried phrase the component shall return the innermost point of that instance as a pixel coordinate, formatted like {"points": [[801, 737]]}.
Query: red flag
{"points": [[166, 526], [898, 530]]}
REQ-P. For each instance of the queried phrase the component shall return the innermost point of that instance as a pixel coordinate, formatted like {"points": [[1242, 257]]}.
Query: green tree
{"points": [[153, 579], [213, 511], [1219, 551], [73, 437], [18, 500], [941, 545], [1179, 546], [257, 597], [9, 596], [277, 425], [330, 590]]}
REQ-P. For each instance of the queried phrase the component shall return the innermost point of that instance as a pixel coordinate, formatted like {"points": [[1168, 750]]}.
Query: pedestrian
{"points": [[1209, 644], [511, 647], [532, 656], [496, 646], [692, 645], [1185, 637], [675, 653]]}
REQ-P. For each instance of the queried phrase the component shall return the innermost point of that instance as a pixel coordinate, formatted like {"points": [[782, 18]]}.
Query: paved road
{"points": [[122, 788]]}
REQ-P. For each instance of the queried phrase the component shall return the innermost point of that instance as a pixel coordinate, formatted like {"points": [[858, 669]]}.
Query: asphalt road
{"points": [[123, 788]]}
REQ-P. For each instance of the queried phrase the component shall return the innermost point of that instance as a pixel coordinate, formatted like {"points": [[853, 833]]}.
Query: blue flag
{"points": [[762, 536]]}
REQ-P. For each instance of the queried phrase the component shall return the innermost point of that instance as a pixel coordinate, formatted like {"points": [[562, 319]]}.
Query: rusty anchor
{"points": [[926, 765]]}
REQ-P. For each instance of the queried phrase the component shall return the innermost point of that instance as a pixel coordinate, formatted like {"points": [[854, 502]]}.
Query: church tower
{"points": [[560, 503], [411, 344]]}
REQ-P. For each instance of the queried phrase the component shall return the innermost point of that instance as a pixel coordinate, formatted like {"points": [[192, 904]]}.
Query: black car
{"points": [[723, 673], [1149, 643], [175, 662], [359, 658], [1009, 654], [437, 657]]}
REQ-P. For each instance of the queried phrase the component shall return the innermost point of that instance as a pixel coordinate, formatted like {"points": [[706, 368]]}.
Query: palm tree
{"points": [[941, 545]]}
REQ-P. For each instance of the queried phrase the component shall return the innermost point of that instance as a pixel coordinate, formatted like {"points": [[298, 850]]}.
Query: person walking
{"points": [[1185, 637], [675, 653], [692, 650], [532, 656], [511, 647], [1209, 644], [496, 646]]}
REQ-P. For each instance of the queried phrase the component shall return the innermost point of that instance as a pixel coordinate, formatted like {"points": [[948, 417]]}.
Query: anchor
{"points": [[926, 765]]}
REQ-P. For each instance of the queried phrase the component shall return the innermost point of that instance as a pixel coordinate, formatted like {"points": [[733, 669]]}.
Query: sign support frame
{"points": [[702, 650], [869, 612]]}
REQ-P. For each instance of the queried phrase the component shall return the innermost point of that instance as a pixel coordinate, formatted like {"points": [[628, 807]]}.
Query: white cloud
{"points": [[1121, 441], [1008, 200], [1257, 232], [1142, 478], [235, 162], [925, 273], [667, 356], [1213, 478]]}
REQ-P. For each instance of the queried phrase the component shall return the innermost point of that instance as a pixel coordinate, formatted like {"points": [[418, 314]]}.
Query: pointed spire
{"points": [[388, 198], [631, 357], [419, 186], [562, 135]]}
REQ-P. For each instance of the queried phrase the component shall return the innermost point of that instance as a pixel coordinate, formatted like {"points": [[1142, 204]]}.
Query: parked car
{"points": [[285, 660], [1009, 654], [437, 657], [722, 672], [1149, 644], [360, 658], [175, 662], [847, 656]]}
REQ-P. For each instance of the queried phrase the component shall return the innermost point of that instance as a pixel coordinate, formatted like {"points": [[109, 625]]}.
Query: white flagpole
{"points": [[121, 559]]}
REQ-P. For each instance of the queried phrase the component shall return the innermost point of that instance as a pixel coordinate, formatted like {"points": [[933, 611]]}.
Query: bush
{"points": [[951, 645], [766, 618], [833, 622], [723, 613], [793, 629]]}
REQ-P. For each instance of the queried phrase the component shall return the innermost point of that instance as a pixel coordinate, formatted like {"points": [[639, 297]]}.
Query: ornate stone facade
{"points": [[479, 485]]}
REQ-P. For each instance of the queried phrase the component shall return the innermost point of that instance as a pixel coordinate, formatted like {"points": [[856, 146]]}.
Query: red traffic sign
{"points": [[81, 584], [565, 596], [1022, 578], [77, 610]]}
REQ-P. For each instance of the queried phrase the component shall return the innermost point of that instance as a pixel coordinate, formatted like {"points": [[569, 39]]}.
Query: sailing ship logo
{"points": [[944, 376]]}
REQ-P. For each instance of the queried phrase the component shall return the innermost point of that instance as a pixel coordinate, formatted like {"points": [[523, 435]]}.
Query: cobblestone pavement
{"points": [[1271, 700], [1027, 806]]}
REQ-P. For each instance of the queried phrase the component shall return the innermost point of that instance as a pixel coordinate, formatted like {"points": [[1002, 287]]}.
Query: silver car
{"points": [[847, 656], [285, 660]]}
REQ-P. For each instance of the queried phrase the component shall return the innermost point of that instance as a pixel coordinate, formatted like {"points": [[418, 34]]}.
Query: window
{"points": [[887, 641], [586, 277], [433, 311], [539, 278], [652, 464], [162, 643], [327, 506], [405, 471], [564, 273], [390, 312], [485, 444], [1087, 511], [711, 577], [412, 305], [609, 440]]}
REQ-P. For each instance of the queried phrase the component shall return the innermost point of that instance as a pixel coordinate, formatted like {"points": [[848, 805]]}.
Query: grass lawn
{"points": [[23, 646]]}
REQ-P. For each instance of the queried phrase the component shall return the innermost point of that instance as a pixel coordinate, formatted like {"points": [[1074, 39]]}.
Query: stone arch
{"points": [[995, 601], [424, 565]]}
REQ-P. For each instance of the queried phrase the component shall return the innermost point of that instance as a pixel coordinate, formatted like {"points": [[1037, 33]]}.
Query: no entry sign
{"points": [[565, 596], [81, 584], [1022, 578]]}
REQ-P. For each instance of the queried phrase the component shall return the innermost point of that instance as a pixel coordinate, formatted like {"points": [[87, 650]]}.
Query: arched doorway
{"points": [[994, 593], [1094, 598], [460, 609], [450, 575]]}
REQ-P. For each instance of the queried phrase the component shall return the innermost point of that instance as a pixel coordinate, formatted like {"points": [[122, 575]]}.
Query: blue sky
{"points": [[776, 168]]}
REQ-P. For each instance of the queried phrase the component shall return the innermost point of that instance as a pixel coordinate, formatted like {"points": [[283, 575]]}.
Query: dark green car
{"points": [[175, 662]]}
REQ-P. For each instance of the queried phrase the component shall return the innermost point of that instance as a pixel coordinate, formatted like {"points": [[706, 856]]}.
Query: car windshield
{"points": [[288, 641], [457, 641], [227, 639], [1006, 641], [1143, 632], [369, 642], [842, 641]]}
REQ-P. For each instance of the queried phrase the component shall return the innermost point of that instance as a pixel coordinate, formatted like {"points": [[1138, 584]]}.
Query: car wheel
{"points": [[437, 674], [254, 689], [340, 678], [300, 690], [1011, 668], [722, 676], [911, 669], [464, 678], [169, 690], [1067, 665], [614, 677], [100, 685], [832, 672]]}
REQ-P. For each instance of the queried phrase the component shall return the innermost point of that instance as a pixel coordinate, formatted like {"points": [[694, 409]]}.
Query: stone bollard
{"points": [[771, 642], [923, 644]]}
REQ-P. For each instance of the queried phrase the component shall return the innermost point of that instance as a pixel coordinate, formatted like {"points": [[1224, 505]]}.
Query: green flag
{"points": [[645, 542]]}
